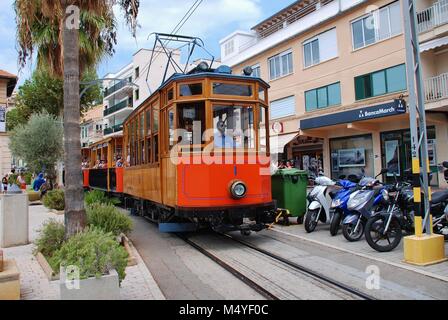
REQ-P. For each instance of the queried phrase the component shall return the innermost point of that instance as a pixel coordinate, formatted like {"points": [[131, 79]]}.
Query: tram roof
{"points": [[196, 75]]}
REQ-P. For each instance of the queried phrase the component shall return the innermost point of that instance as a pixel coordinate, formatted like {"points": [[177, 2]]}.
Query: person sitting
{"points": [[288, 165], [97, 164], [38, 182], [119, 162]]}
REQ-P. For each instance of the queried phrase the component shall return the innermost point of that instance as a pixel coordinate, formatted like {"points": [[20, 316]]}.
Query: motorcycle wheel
{"points": [[310, 222], [379, 241], [349, 234], [335, 222]]}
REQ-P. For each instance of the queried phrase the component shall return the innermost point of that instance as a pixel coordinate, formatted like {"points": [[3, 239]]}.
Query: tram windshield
{"points": [[191, 118], [233, 127]]}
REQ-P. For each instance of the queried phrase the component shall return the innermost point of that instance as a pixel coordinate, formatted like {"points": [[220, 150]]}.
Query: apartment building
{"points": [[8, 82], [129, 87], [337, 71]]}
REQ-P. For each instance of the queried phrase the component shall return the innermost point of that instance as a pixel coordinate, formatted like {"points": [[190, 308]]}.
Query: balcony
{"points": [[436, 88], [433, 16], [120, 85], [113, 129], [123, 104]]}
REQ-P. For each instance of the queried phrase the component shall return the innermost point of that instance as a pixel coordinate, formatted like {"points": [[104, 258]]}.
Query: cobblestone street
{"points": [[138, 284]]}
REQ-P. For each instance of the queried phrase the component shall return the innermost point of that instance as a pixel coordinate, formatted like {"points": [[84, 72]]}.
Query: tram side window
{"points": [[262, 132], [233, 127], [170, 128], [148, 135], [142, 139], [155, 134], [191, 122]]}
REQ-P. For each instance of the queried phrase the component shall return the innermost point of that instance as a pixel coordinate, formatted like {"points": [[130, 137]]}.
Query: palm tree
{"points": [[70, 36]]}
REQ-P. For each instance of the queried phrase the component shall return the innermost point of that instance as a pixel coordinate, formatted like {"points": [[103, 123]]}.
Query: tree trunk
{"points": [[75, 215]]}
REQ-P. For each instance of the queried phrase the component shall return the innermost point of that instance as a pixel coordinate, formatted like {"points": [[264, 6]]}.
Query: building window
{"points": [[283, 107], [381, 82], [323, 97], [378, 25], [320, 48], [256, 71], [280, 65], [229, 47], [352, 155], [137, 72], [137, 94]]}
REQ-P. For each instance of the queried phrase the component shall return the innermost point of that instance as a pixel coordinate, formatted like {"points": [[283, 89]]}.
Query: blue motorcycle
{"points": [[362, 204], [339, 204]]}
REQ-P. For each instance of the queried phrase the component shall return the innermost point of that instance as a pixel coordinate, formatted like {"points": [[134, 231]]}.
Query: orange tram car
{"points": [[196, 153]]}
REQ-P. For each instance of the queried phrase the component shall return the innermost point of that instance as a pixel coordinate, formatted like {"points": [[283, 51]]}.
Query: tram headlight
{"points": [[238, 189]]}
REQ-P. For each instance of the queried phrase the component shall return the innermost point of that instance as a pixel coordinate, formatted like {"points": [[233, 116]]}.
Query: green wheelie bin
{"points": [[289, 189]]}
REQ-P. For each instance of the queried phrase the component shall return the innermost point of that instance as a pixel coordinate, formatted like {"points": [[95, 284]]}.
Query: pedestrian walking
{"points": [[21, 181]]}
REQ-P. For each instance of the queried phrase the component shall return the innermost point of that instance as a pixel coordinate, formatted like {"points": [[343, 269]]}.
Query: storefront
{"points": [[362, 141]]}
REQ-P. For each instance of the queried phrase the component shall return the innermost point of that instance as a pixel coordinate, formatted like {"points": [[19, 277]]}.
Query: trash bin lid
{"points": [[291, 172]]}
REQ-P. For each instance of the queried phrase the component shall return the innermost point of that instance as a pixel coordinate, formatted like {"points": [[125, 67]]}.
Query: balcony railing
{"points": [[116, 128], [116, 87], [436, 88], [433, 16], [123, 104]]}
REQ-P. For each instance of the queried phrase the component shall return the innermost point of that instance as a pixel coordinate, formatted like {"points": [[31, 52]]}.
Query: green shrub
{"points": [[97, 196], [108, 218], [54, 199], [94, 252], [51, 238], [28, 178]]}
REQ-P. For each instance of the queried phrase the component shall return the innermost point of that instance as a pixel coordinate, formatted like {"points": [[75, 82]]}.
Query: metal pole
{"points": [[417, 117]]}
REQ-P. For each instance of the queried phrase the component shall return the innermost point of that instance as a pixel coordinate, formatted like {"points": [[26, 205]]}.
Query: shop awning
{"points": [[277, 143], [433, 44]]}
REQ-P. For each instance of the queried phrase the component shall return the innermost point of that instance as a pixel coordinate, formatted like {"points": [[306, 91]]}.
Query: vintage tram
{"points": [[197, 153]]}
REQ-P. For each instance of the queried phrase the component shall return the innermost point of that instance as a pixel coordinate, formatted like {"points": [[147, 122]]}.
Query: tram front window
{"points": [[233, 127], [191, 122]]}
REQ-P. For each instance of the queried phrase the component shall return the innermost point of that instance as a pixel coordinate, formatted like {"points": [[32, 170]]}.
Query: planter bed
{"points": [[49, 272], [103, 288], [132, 260]]}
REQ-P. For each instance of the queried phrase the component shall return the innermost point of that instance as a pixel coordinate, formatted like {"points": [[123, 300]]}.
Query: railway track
{"points": [[322, 278], [266, 292]]}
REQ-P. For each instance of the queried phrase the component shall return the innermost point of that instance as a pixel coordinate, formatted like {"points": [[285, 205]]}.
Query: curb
{"points": [[409, 268]]}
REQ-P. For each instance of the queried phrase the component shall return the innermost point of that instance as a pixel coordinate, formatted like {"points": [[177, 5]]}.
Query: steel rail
{"points": [[265, 293], [303, 269]]}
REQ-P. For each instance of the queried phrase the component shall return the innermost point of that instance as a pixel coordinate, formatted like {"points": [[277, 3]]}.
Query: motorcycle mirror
{"points": [[445, 164]]}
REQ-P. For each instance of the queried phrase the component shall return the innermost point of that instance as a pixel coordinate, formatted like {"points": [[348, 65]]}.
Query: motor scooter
{"points": [[320, 199], [362, 204], [339, 204]]}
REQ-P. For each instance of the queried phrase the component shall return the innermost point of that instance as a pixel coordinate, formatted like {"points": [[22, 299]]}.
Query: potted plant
{"points": [[92, 265]]}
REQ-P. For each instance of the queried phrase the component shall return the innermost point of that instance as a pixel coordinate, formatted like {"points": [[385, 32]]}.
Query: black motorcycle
{"points": [[384, 230]]}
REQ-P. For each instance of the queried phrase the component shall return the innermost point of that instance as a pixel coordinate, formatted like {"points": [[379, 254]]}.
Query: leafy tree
{"points": [[70, 36], [44, 92], [39, 143]]}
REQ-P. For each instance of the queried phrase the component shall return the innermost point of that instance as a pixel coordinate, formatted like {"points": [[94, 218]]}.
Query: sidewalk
{"points": [[138, 284], [361, 248]]}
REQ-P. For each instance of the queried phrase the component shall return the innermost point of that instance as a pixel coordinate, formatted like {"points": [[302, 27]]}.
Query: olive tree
{"points": [[39, 143]]}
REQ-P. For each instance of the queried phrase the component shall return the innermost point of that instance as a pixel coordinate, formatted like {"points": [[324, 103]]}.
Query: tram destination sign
{"points": [[395, 107]]}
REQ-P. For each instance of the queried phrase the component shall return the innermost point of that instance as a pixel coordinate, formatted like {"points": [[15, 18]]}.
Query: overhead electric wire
{"points": [[176, 29]]}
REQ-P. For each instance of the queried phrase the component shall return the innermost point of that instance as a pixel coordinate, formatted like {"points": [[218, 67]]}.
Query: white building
{"points": [[134, 86]]}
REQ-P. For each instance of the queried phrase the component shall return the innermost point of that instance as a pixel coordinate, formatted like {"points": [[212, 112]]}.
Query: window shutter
{"points": [[283, 107]]}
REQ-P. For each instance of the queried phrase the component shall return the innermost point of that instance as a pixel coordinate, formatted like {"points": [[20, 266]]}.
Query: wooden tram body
{"points": [[183, 166]]}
